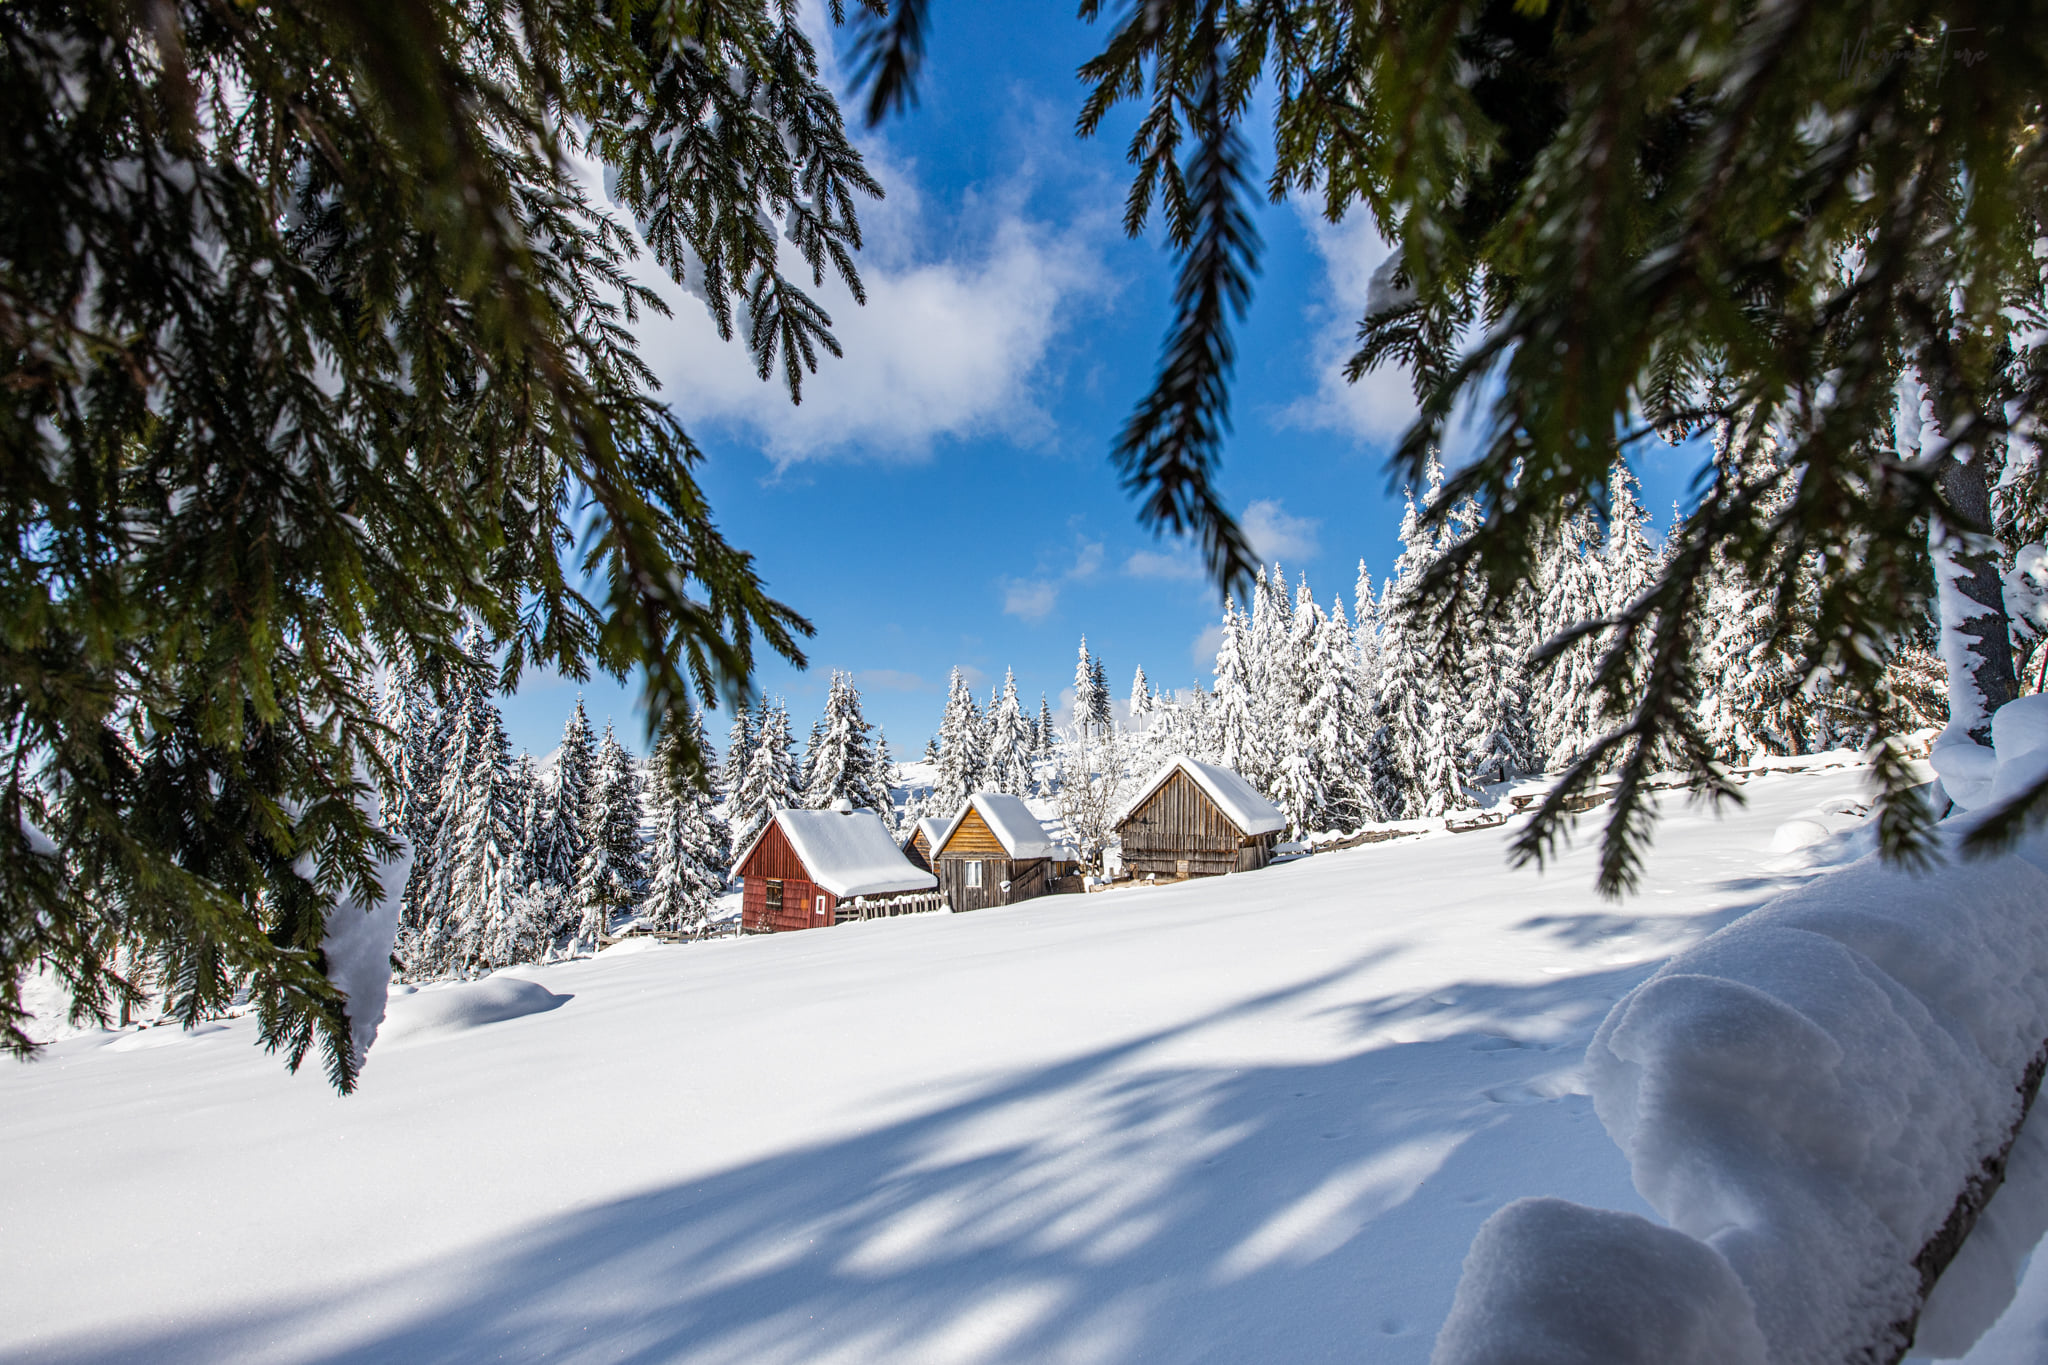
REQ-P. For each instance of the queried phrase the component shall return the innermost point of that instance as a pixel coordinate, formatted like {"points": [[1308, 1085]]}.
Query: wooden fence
{"points": [[888, 907]]}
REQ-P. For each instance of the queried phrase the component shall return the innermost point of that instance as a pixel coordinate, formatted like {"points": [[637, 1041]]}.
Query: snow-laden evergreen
{"points": [[882, 781], [841, 765], [558, 857], [1564, 706], [1324, 782], [690, 849], [1088, 704], [961, 760], [1008, 764], [613, 873], [1239, 739], [1421, 717], [470, 912], [769, 782]]}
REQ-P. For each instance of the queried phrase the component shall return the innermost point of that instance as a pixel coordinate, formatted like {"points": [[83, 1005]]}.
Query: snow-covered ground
{"points": [[1257, 1118]]}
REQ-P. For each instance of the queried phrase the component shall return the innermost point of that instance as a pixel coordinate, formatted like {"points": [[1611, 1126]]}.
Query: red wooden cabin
{"points": [[805, 862]]}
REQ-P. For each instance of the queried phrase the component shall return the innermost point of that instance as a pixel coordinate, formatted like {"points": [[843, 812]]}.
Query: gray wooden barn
{"points": [[995, 852], [1197, 820]]}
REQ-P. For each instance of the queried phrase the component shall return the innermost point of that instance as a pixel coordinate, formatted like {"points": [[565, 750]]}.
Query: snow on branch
{"points": [[1820, 1099]]}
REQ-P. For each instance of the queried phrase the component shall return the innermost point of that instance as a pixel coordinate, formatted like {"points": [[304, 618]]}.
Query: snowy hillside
{"points": [[1257, 1118]]}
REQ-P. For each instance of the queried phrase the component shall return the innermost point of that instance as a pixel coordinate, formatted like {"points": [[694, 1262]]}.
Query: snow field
{"points": [[1258, 1118]]}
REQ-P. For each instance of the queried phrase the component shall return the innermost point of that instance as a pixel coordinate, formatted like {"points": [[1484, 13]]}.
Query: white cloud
{"points": [[1178, 564], [974, 677], [1029, 599], [961, 314], [1203, 651], [1277, 535], [1032, 599], [1378, 409]]}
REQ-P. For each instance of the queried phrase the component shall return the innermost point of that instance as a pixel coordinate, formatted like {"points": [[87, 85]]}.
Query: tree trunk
{"points": [[1976, 636]]}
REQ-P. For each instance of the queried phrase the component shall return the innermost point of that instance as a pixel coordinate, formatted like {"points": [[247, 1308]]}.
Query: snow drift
{"points": [[466, 1005], [1804, 1095]]}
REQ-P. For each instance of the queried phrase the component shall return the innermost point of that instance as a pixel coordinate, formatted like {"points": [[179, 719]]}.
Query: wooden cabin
{"points": [[923, 838], [1197, 820], [805, 865], [994, 852]]}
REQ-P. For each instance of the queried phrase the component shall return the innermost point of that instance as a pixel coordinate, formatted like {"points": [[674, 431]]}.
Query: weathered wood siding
{"points": [[919, 851], [975, 838], [1027, 878], [1180, 832], [805, 904]]}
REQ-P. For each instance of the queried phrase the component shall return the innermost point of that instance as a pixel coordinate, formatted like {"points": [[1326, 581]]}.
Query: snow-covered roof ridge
{"points": [[934, 828], [1239, 801], [850, 853], [1009, 819]]}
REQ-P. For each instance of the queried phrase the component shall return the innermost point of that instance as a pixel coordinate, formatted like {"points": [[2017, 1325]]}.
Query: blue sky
{"points": [[943, 495]]}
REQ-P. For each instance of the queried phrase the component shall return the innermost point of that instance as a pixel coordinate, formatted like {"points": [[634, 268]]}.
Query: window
{"points": [[774, 896], [821, 905], [974, 874]]}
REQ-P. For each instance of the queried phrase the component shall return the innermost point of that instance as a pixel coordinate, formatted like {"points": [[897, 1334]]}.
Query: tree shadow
{"points": [[1120, 1205]]}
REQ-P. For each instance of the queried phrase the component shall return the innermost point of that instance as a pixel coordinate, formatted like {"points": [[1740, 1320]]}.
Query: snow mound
{"points": [[466, 1005], [1805, 1094], [1550, 1282]]}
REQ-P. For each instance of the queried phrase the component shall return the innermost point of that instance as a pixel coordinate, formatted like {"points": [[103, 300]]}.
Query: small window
{"points": [[774, 896], [974, 874], [821, 905]]}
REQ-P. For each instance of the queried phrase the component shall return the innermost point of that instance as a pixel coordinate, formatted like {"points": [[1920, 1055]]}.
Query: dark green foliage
{"points": [[317, 351], [1615, 222]]}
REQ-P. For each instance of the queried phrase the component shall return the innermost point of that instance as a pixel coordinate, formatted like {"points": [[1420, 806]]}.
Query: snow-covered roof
{"points": [[1009, 819], [1239, 801], [933, 828], [848, 853], [1065, 853]]}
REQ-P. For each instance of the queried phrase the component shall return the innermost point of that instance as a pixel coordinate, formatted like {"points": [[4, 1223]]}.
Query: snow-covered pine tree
{"points": [[1042, 732], [769, 783], [1494, 740], [469, 918], [614, 870], [1325, 781], [739, 749], [960, 756], [1098, 676], [1564, 706], [842, 761], [1421, 720], [1141, 697], [407, 712], [1087, 704], [1299, 781], [1238, 742], [1753, 700], [690, 852], [1631, 562], [882, 781], [1365, 635], [558, 854], [529, 798], [809, 760], [1008, 768], [931, 750]]}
